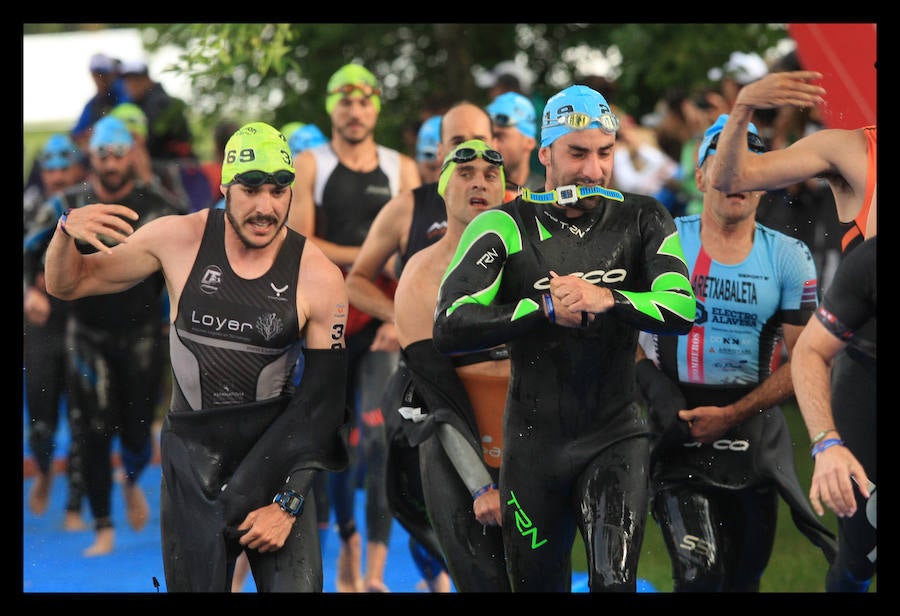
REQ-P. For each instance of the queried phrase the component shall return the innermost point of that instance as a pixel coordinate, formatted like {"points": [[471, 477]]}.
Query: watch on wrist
{"points": [[290, 501]]}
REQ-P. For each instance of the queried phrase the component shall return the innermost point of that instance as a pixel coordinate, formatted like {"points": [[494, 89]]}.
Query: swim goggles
{"points": [[105, 151], [255, 179], [364, 88], [569, 194], [754, 143], [577, 120], [66, 155], [504, 120], [465, 155]]}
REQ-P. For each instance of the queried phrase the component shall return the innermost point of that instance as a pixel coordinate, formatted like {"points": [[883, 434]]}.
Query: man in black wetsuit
{"points": [[842, 425], [116, 363], [240, 445], [567, 278]]}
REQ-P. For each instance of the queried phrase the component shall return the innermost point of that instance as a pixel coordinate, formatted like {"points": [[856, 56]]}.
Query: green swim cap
{"points": [[256, 147], [480, 148], [133, 116], [288, 129], [352, 78]]}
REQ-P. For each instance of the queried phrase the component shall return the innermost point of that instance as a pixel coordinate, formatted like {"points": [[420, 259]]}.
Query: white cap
{"points": [[743, 67], [134, 67], [488, 79]]}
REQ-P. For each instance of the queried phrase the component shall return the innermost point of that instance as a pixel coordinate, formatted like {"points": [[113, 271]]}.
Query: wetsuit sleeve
{"points": [[467, 317], [669, 306], [37, 238], [310, 434], [851, 298]]}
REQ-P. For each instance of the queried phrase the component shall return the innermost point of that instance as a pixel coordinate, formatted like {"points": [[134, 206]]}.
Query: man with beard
{"points": [[341, 186], [115, 365], [240, 445]]}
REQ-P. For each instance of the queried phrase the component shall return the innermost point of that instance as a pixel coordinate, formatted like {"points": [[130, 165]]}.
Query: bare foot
{"points": [[103, 543], [74, 522], [440, 583], [349, 575], [136, 506], [39, 495]]}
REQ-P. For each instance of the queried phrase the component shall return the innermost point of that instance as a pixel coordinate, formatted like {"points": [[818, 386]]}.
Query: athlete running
{"points": [[240, 445], [567, 278]]}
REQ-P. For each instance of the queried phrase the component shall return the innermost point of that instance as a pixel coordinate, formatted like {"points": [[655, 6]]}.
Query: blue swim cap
{"points": [[305, 137], [514, 109], [428, 139], [711, 139], [59, 152], [574, 99], [110, 130]]}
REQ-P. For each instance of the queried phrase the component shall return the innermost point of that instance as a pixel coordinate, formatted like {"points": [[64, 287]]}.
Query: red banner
{"points": [[845, 54]]}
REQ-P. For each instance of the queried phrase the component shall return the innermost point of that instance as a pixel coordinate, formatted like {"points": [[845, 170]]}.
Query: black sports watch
{"points": [[290, 501]]}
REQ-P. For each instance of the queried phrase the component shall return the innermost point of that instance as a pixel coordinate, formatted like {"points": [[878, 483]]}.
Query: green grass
{"points": [[796, 565]]}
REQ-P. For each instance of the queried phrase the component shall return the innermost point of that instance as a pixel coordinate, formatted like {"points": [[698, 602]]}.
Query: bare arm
{"points": [[322, 299], [386, 237], [735, 169], [70, 275], [836, 467], [302, 217], [708, 423], [409, 174]]}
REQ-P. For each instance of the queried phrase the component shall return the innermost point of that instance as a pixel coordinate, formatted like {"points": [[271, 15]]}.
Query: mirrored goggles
{"points": [[255, 179], [363, 88], [465, 155], [66, 155], [577, 120], [503, 120], [105, 151], [754, 143]]}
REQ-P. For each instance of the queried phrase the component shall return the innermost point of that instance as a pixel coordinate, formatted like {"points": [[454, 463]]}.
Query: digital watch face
{"points": [[566, 194]]}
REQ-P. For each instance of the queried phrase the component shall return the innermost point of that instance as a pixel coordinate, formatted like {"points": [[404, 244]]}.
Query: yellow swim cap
{"points": [[256, 147], [352, 78]]}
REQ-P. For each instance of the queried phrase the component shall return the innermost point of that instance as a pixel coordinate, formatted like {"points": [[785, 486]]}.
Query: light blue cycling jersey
{"points": [[741, 307]]}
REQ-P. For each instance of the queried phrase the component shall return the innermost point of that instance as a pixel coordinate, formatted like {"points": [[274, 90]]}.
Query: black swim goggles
{"points": [[754, 143], [465, 155], [255, 179]]}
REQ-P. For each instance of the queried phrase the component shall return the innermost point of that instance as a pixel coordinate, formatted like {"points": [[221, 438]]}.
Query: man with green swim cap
{"points": [[241, 443], [342, 186], [567, 278]]}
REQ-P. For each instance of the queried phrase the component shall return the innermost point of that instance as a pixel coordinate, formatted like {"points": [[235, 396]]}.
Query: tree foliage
{"points": [[278, 72]]}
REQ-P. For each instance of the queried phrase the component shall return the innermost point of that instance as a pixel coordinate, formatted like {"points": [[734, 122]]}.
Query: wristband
{"points": [[289, 501], [822, 446], [548, 306], [62, 221], [818, 437], [484, 490]]}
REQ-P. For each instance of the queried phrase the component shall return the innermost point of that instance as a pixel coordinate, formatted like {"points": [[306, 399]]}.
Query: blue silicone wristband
{"points": [[62, 221], [548, 304], [484, 490], [823, 445]]}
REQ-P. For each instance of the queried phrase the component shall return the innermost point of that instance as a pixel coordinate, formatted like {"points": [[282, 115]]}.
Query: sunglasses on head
{"points": [[105, 151], [754, 143], [350, 88], [255, 179], [66, 155], [577, 120], [504, 120], [465, 155]]}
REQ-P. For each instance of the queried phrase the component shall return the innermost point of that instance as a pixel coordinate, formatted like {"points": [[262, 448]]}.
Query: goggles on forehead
{"points": [[465, 155], [255, 179], [66, 155], [364, 88], [105, 151], [577, 120], [754, 143], [427, 155]]}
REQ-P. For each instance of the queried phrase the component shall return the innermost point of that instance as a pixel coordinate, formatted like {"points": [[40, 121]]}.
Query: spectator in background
{"points": [[515, 130], [642, 167], [507, 76], [62, 166], [740, 69], [105, 71], [169, 137]]}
